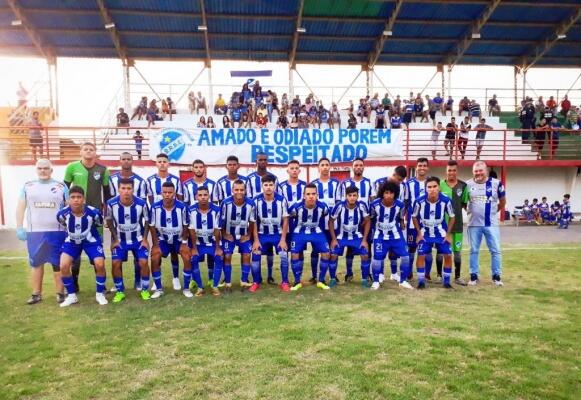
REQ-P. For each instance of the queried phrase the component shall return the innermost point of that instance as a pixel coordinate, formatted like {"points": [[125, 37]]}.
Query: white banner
{"points": [[280, 145]]}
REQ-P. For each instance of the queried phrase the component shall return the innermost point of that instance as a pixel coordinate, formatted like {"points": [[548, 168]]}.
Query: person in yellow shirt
{"points": [[220, 107]]}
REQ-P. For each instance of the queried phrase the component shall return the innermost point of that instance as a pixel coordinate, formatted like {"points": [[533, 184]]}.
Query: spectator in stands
{"points": [[463, 136], [335, 117], [540, 105], [273, 104], [574, 118], [386, 103], [35, 136], [408, 112], [449, 106], [226, 123], [282, 121], [201, 122], [493, 107], [450, 138], [540, 136], [352, 121], [262, 116], [138, 138], [152, 112], [201, 103], [548, 114], [246, 123], [481, 129], [284, 103], [303, 121], [464, 105], [236, 115], [122, 118], [167, 108], [210, 123], [294, 124], [475, 111], [363, 110], [220, 107], [258, 99], [323, 116], [438, 103], [141, 109], [192, 102], [257, 90], [380, 118], [419, 110], [527, 119], [551, 104], [395, 121], [296, 105], [396, 108], [433, 107], [374, 102], [554, 136], [313, 116], [251, 113], [22, 95], [435, 138], [565, 106], [171, 107]]}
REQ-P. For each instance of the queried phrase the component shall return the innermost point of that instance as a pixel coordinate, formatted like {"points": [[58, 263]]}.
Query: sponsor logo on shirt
{"points": [[44, 204]]}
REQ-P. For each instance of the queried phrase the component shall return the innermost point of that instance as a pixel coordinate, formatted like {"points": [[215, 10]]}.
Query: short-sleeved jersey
{"points": [[254, 184], [81, 229], [329, 194], [139, 188], [191, 188], [402, 189], [169, 224], [270, 214], [92, 180], [459, 196], [236, 219], [308, 220], [387, 220], [483, 204], [43, 199], [223, 188], [544, 207], [128, 220], [292, 193], [204, 223], [349, 220], [414, 189], [365, 187], [432, 216], [154, 184]]}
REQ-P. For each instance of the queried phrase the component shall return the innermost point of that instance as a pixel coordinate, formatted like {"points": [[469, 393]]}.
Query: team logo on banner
{"points": [[172, 143]]}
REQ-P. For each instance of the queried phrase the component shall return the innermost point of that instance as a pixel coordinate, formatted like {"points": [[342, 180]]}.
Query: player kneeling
{"points": [[81, 222], [350, 214], [205, 238], [270, 231], [126, 219], [429, 218], [388, 213]]}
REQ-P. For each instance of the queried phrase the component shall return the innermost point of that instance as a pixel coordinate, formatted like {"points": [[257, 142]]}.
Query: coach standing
{"points": [[486, 198]]}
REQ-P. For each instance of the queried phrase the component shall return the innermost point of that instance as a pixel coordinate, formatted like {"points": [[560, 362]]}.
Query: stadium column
{"points": [[53, 85], [449, 80], [516, 70], [441, 71], [291, 85], [211, 87], [126, 86]]}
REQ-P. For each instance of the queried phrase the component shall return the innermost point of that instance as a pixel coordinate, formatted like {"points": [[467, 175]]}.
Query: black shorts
{"points": [[36, 142], [432, 114], [407, 118]]}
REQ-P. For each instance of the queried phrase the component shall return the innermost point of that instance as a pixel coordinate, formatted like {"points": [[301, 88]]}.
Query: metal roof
{"points": [[512, 32]]}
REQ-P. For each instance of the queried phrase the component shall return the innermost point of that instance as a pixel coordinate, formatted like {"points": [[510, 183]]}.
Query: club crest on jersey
{"points": [[489, 190], [168, 220], [78, 226], [127, 216], [53, 189], [459, 192], [96, 175]]}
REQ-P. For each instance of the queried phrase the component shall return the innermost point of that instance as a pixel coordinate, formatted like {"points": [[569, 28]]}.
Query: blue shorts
{"points": [[243, 247], [412, 236], [317, 240], [268, 242], [206, 251], [168, 248], [92, 250], [425, 246], [45, 247], [354, 245], [139, 252], [382, 247]]}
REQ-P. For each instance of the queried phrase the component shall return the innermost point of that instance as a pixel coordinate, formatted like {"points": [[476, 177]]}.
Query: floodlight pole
{"points": [[53, 85], [516, 71], [291, 86], [524, 83], [211, 87], [367, 82], [441, 71], [126, 87], [449, 80]]}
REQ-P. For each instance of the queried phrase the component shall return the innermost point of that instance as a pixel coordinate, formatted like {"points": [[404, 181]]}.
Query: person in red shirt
{"points": [[565, 105], [552, 104]]}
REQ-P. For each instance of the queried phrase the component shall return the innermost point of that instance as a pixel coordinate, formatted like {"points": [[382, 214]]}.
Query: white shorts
{"points": [[435, 137]]}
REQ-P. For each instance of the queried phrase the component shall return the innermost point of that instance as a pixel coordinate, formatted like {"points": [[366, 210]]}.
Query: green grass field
{"points": [[521, 341]]}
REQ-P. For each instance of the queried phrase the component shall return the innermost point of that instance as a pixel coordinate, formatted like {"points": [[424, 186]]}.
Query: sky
{"points": [[87, 88]]}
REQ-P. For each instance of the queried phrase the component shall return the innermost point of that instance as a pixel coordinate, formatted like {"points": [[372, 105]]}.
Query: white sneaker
{"points": [[375, 286], [69, 300], [188, 293], [381, 278], [176, 284], [498, 283], [394, 277], [406, 285], [153, 287], [101, 299], [157, 294], [473, 283]]}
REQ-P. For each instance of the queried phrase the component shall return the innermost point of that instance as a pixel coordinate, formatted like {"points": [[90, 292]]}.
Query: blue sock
{"points": [[218, 266], [323, 270], [187, 278], [376, 269], [332, 268], [100, 283], [393, 264], [297, 266], [411, 265], [429, 261], [405, 269], [269, 265], [136, 271], [175, 269], [245, 272], [197, 277], [349, 263], [421, 274], [210, 261], [69, 284], [283, 266], [256, 269], [382, 267], [447, 274], [365, 265], [157, 279], [227, 273], [119, 284], [314, 264], [145, 283]]}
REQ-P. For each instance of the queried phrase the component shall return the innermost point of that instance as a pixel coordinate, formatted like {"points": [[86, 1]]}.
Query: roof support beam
{"points": [[107, 19], [35, 38], [544, 47], [463, 46], [380, 41], [293, 52], [206, 39]]}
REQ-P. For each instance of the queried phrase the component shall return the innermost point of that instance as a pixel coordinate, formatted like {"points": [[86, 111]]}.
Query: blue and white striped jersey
{"points": [[387, 220], [235, 219], [483, 204], [154, 182], [292, 193], [191, 188], [402, 189], [365, 187], [223, 188], [254, 184], [329, 194], [270, 214], [81, 229], [432, 216], [169, 224], [308, 220], [139, 188], [349, 220], [128, 220], [204, 223], [414, 189]]}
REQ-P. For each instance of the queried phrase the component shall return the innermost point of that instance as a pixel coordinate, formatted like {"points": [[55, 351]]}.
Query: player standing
{"points": [[224, 186]]}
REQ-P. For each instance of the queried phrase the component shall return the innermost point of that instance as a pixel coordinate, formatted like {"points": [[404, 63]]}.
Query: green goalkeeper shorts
{"points": [[457, 239]]}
